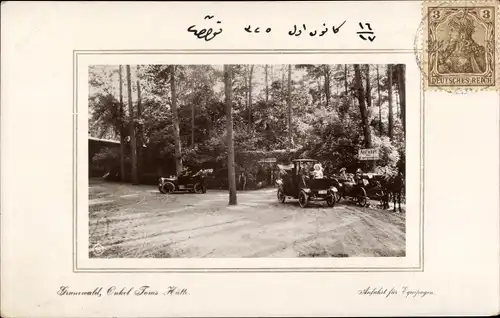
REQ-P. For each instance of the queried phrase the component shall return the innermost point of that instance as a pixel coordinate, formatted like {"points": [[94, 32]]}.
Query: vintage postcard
{"points": [[250, 159]]}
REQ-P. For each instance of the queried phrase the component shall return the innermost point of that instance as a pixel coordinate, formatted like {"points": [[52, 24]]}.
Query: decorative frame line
{"points": [[76, 269]]}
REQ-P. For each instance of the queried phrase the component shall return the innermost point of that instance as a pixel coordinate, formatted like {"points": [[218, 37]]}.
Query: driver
{"points": [[304, 172], [359, 178], [185, 171]]}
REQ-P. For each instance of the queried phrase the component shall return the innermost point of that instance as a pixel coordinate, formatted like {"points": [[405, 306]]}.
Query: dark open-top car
{"points": [[186, 181], [370, 187], [297, 182]]}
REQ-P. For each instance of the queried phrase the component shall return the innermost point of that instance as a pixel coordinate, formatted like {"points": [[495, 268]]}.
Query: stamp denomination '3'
{"points": [[461, 46]]}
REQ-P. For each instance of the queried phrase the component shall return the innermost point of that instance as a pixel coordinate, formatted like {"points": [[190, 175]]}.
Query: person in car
{"points": [[358, 177], [318, 171], [304, 172], [343, 174], [186, 171]]}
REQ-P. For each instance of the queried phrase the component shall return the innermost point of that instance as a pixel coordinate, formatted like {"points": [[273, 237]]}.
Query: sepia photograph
{"points": [[247, 160]]}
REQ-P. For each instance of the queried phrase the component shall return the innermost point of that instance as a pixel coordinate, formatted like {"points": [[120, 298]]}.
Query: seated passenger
{"points": [[343, 175], [318, 171]]}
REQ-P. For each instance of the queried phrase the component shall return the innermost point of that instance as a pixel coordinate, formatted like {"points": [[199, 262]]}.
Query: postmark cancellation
{"points": [[460, 47]]}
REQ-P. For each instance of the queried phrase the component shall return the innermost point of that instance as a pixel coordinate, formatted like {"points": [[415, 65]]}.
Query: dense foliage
{"points": [[329, 121]]}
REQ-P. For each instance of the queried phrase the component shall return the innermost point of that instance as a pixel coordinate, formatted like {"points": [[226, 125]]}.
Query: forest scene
{"points": [[247, 160], [177, 113]]}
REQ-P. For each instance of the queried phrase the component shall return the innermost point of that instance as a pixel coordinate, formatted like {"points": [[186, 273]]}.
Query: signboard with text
{"points": [[368, 154], [270, 160]]}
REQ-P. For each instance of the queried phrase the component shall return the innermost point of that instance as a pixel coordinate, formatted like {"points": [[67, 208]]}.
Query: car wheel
{"points": [[198, 188], [303, 199], [362, 198], [330, 200], [161, 189], [337, 196], [168, 187], [281, 195]]}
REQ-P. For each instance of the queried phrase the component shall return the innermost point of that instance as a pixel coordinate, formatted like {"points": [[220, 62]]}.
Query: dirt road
{"points": [[138, 221]]}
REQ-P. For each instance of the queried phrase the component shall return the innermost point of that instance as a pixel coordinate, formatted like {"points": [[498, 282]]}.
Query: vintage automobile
{"points": [[296, 182], [187, 181], [370, 188]]}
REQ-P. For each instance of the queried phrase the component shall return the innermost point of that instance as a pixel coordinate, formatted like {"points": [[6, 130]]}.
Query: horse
{"points": [[394, 185]]}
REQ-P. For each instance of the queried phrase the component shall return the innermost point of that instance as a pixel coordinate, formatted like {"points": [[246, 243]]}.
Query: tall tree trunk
{"points": [[289, 102], [267, 83], [283, 78], [320, 89], [402, 95], [327, 84], [123, 142], [398, 112], [192, 124], [250, 75], [229, 131], [380, 129], [368, 87], [345, 80], [133, 141], [389, 78], [246, 86], [175, 119], [362, 106], [139, 136]]}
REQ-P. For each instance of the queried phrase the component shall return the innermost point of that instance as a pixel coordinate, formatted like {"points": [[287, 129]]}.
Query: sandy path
{"points": [[138, 221]]}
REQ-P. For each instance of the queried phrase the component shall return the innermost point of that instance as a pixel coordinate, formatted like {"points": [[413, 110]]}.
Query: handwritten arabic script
{"points": [[366, 34], [205, 34], [335, 30]]}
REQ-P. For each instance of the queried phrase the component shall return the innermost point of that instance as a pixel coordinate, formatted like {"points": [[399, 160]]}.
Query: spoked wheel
{"points": [[199, 188], [303, 199], [168, 187], [331, 199], [380, 196], [338, 197], [362, 198], [281, 195]]}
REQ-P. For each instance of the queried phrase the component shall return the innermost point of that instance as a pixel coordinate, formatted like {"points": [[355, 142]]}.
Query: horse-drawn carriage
{"points": [[296, 182]]}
